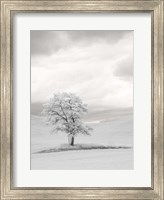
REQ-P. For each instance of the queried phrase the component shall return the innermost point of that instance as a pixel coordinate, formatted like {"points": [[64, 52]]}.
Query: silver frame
{"points": [[8, 9]]}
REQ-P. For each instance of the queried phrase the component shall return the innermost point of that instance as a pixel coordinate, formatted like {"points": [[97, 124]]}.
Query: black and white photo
{"points": [[82, 99]]}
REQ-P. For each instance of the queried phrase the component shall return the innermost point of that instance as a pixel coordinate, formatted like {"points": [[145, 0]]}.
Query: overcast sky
{"points": [[96, 65]]}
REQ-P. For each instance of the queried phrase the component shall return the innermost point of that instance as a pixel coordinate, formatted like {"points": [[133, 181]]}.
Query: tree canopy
{"points": [[64, 112]]}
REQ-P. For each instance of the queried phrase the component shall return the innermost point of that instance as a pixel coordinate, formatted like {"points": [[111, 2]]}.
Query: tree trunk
{"points": [[71, 140]]}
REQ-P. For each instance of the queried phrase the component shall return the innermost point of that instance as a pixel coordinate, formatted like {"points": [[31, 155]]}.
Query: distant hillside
{"points": [[97, 116], [109, 115], [36, 108]]}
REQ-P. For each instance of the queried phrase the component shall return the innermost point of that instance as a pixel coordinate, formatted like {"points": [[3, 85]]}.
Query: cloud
{"points": [[49, 42], [45, 42], [124, 68], [91, 64]]}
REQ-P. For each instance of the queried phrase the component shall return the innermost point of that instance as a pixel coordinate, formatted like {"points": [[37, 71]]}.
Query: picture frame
{"points": [[8, 191]]}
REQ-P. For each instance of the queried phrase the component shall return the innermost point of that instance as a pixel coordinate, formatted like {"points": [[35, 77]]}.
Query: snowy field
{"points": [[110, 144]]}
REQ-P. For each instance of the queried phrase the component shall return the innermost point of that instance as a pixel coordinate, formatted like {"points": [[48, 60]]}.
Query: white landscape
{"points": [[112, 130], [82, 80]]}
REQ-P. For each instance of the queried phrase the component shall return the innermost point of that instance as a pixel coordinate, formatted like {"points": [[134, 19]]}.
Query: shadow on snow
{"points": [[66, 147]]}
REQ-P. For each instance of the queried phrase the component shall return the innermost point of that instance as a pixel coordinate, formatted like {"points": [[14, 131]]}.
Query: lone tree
{"points": [[64, 111]]}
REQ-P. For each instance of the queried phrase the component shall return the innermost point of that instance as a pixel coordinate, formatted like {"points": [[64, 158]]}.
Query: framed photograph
{"points": [[82, 100]]}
